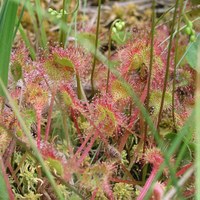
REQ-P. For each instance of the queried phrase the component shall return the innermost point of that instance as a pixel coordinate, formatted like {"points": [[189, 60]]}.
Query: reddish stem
{"points": [[76, 125], [183, 170], [88, 148], [96, 128], [123, 141], [108, 191], [127, 133], [94, 193], [148, 184], [8, 152], [83, 144]]}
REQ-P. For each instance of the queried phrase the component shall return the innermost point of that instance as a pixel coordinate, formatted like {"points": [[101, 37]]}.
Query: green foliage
{"points": [[195, 2], [123, 191], [121, 37], [57, 129], [192, 53], [56, 13], [95, 176], [189, 29], [119, 34], [31, 196], [68, 195], [31, 142], [124, 158], [82, 151], [64, 62], [90, 37], [29, 116], [7, 23], [3, 187], [56, 165], [27, 176], [100, 195], [16, 70], [155, 98]]}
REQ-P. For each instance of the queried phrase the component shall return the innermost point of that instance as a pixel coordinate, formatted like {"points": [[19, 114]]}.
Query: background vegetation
{"points": [[98, 103]]}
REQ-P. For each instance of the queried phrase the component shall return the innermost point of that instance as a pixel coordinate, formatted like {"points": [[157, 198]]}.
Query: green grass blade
{"points": [[41, 25], [27, 42], [197, 125], [31, 11], [3, 188], [7, 24], [19, 20], [2, 11], [38, 28]]}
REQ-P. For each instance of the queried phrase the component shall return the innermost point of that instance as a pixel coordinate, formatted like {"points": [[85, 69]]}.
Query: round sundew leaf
{"points": [[155, 99], [107, 118], [136, 62], [65, 62], [118, 91]]}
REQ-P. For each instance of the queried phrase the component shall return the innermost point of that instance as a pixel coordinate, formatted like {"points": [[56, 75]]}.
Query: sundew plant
{"points": [[96, 109]]}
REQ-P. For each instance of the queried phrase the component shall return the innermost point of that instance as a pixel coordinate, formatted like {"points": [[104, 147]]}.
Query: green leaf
{"points": [[3, 188], [195, 2], [192, 52], [75, 197], [7, 24], [90, 37], [56, 165], [121, 37], [64, 62]]}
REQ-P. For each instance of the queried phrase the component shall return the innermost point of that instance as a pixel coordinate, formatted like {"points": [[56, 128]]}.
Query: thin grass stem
{"points": [[150, 68], [96, 45], [175, 64], [43, 38], [109, 51], [168, 65], [197, 126]]}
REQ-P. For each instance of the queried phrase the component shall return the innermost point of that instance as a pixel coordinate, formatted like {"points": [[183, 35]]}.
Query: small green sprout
{"points": [[189, 29], [118, 26], [57, 14], [118, 32], [114, 30]]}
